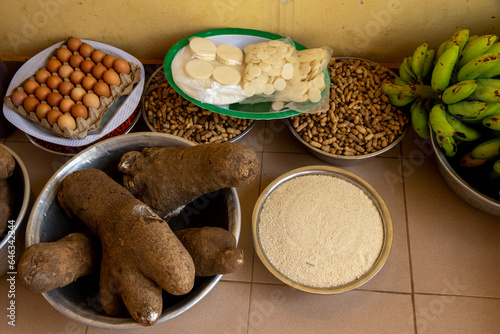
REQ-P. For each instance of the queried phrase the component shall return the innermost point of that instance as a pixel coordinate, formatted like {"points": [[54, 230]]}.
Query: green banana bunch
{"points": [[463, 132], [468, 110], [459, 91], [443, 69], [475, 48], [488, 149], [477, 66], [492, 122], [448, 144], [428, 62], [420, 119], [496, 166], [438, 121], [418, 60]]}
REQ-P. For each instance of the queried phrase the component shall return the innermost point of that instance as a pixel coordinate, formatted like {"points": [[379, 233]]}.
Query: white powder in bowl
{"points": [[320, 231]]}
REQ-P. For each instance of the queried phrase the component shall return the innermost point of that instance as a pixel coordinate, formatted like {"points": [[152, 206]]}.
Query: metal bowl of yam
{"points": [[48, 222]]}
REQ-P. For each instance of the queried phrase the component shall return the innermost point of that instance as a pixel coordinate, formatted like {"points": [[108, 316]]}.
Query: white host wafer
{"points": [[226, 75], [202, 48], [229, 54], [199, 69]]}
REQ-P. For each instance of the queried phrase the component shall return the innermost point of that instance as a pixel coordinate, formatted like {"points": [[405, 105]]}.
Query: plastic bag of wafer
{"points": [[276, 72]]}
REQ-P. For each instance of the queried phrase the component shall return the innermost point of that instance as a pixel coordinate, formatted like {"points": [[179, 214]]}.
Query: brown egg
{"points": [[65, 71], [79, 110], [98, 56], [30, 103], [76, 60], [121, 66], [66, 87], [53, 115], [76, 77], [88, 82], [53, 65], [53, 99], [86, 50], [64, 54], [87, 65], [108, 61], [91, 100], [18, 97], [98, 71], [66, 121], [77, 93], [53, 82], [102, 89], [42, 92], [42, 110], [111, 78], [66, 104], [74, 44], [30, 86], [42, 75]]}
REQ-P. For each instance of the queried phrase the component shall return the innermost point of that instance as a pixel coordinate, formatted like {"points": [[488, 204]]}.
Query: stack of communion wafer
{"points": [[70, 94]]}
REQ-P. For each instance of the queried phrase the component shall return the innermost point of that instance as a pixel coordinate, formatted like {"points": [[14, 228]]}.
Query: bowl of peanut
{"points": [[164, 110], [360, 123]]}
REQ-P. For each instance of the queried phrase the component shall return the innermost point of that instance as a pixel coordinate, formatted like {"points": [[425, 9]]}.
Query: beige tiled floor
{"points": [[442, 274]]}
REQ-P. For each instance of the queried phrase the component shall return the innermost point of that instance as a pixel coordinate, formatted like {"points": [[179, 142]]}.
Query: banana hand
{"points": [[420, 119], [459, 91], [405, 71], [463, 132], [467, 161], [443, 69], [439, 121], [486, 150], [477, 66], [418, 60], [492, 122], [477, 47]]}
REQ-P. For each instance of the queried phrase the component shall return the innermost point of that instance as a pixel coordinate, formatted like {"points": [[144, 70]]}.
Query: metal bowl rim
{"points": [[347, 176]]}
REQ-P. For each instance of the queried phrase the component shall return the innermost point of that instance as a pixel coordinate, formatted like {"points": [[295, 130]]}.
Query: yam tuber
{"points": [[213, 250], [167, 178], [6, 203], [50, 265], [140, 253], [7, 163]]}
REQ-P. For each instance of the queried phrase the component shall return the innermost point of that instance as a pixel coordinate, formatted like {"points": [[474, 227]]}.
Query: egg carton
{"points": [[95, 115]]}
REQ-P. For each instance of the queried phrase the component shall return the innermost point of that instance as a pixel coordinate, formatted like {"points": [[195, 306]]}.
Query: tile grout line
{"points": [[412, 287]]}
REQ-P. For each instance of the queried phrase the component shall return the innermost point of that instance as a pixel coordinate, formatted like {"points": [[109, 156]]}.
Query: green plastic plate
{"points": [[240, 38]]}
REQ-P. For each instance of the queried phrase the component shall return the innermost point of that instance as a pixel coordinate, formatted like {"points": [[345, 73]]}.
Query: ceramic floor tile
{"points": [[281, 309], [452, 314], [222, 310], [248, 196], [41, 165], [416, 147], [451, 242], [33, 314], [254, 138], [394, 276], [277, 137], [18, 135]]}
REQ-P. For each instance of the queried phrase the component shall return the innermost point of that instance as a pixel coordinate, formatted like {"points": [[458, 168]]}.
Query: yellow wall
{"points": [[381, 30]]}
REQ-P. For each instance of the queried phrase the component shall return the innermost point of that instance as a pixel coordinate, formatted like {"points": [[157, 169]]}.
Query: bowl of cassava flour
{"points": [[321, 229]]}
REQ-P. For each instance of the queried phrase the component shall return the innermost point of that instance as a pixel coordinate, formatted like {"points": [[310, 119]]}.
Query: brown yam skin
{"points": [[140, 254], [167, 178], [6, 203], [50, 265], [7, 163], [213, 250]]}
